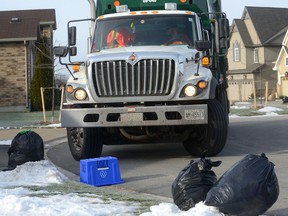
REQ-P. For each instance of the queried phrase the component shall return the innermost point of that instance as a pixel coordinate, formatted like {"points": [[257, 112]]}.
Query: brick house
{"points": [[18, 49], [255, 42]]}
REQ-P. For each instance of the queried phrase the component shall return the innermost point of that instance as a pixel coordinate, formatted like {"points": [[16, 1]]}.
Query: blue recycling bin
{"points": [[100, 171]]}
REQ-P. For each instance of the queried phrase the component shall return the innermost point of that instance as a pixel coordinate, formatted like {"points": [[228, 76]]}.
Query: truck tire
{"points": [[209, 139], [223, 99], [85, 142]]}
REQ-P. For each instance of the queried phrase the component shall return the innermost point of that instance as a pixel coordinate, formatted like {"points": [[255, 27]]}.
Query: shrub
{"points": [[43, 76]]}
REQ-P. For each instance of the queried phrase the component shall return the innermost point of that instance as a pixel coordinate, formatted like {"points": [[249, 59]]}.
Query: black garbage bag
{"points": [[193, 182], [250, 187], [26, 146], [285, 99]]}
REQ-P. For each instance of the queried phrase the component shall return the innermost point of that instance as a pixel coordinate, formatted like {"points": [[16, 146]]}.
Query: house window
{"points": [[256, 55], [236, 52]]}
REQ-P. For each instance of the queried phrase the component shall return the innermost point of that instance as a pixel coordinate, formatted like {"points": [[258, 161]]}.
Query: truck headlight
{"points": [[80, 94], [190, 90]]}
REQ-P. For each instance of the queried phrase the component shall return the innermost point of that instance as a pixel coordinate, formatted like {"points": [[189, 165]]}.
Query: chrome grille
{"points": [[153, 77]]}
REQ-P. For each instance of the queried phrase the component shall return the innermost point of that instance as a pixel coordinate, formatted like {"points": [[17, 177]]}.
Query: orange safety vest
{"points": [[119, 38]]}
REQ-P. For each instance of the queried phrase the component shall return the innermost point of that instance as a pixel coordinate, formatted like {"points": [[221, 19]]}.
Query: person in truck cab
{"points": [[176, 37], [121, 37]]}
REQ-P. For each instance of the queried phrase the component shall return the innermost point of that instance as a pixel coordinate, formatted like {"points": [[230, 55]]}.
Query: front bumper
{"points": [[134, 116]]}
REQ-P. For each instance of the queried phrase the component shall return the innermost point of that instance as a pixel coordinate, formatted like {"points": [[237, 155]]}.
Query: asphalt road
{"points": [[152, 169]]}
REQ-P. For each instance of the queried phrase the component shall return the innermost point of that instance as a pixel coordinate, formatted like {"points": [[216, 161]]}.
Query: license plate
{"points": [[196, 114], [131, 117]]}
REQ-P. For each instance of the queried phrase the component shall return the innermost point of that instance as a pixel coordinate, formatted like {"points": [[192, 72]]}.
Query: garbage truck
{"points": [[155, 72]]}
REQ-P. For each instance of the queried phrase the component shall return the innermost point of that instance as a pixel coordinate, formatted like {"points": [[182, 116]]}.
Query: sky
{"points": [[67, 10], [77, 9]]}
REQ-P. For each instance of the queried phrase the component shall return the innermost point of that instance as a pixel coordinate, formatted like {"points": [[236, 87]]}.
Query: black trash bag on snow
{"points": [[193, 183], [285, 99], [26, 146], [249, 188]]}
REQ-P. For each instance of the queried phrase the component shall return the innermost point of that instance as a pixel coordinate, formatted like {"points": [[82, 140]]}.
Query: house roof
{"points": [[267, 21], [244, 33], [24, 24], [283, 52]]}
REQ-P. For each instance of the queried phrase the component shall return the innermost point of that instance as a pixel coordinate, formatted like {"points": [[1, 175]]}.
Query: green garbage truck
{"points": [[155, 73]]}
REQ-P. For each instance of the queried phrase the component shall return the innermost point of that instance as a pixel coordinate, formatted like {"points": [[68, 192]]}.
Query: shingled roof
{"points": [[244, 33], [24, 24], [268, 21]]}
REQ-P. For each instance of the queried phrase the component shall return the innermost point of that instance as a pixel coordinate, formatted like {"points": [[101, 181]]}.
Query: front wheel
{"points": [[209, 139], [85, 142]]}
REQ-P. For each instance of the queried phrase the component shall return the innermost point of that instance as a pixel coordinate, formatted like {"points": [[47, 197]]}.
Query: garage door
{"points": [[284, 88]]}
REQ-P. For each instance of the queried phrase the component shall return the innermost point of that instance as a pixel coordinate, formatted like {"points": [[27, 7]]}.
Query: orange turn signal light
{"points": [[76, 68], [116, 3], [202, 84], [69, 89], [205, 61]]}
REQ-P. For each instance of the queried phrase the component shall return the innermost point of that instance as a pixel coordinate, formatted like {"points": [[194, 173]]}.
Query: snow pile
{"points": [[24, 202], [5, 142], [270, 110], [32, 173], [239, 107], [266, 111], [58, 125], [167, 209], [17, 200]]}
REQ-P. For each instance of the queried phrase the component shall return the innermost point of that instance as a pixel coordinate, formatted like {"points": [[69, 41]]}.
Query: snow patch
{"points": [[32, 173], [167, 209]]}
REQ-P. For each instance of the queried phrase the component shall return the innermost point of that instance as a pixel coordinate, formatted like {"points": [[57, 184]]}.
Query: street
{"points": [[152, 169]]}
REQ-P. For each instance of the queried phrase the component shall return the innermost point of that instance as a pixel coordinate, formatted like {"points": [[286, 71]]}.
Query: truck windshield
{"points": [[145, 30]]}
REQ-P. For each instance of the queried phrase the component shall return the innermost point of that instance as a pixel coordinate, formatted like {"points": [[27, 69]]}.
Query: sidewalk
{"points": [[48, 134]]}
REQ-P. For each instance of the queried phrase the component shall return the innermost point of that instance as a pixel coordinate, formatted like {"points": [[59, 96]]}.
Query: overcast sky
{"points": [[77, 9]]}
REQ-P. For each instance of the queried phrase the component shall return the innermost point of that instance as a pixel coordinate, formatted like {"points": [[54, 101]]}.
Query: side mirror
{"points": [[224, 44], [224, 28], [60, 51], [203, 45], [224, 31], [72, 35]]}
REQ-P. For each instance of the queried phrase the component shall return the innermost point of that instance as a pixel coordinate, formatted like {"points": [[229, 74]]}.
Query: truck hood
{"points": [[182, 53], [183, 72]]}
